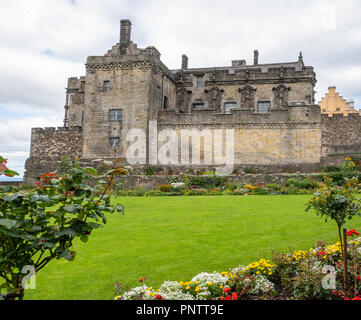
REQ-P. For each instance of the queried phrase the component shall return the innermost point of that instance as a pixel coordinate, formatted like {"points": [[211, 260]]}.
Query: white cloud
{"points": [[15, 138]]}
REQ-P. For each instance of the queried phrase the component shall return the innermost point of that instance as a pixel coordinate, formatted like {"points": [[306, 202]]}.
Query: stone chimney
{"points": [[184, 62], [255, 57], [125, 33]]}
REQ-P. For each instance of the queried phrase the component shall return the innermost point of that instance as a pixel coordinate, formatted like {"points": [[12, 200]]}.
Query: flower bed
{"points": [[300, 275]]}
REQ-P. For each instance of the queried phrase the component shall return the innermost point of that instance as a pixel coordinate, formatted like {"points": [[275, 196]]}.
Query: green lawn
{"points": [[174, 238]]}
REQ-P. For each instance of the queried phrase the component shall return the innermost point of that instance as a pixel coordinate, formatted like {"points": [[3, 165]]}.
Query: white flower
{"points": [[142, 292], [204, 278], [261, 285], [171, 290]]}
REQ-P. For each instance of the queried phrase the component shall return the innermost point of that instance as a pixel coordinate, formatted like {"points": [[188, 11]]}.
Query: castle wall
{"points": [[341, 135], [282, 137], [47, 147]]}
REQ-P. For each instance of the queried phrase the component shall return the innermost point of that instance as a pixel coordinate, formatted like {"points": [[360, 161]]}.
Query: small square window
{"points": [[228, 106], [200, 82], [106, 86], [198, 106], [114, 142], [115, 115], [264, 106]]}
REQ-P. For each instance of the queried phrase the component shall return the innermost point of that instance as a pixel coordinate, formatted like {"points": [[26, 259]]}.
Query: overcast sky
{"points": [[43, 42]]}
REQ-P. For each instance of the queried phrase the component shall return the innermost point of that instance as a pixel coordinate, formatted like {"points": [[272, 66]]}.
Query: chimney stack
{"points": [[184, 62], [255, 57], [125, 33]]}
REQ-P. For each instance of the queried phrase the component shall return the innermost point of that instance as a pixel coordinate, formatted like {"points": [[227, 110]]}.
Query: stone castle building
{"points": [[270, 107]]}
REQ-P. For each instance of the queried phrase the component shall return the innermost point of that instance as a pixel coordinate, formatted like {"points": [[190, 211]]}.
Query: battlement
{"points": [[57, 129]]}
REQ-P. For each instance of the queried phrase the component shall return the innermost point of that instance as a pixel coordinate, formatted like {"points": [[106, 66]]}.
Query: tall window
{"points": [[106, 86], [165, 102], [228, 106], [115, 115], [114, 142], [200, 82], [198, 106], [264, 106]]}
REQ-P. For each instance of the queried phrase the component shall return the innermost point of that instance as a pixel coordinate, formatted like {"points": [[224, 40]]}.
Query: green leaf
{"points": [[67, 231], [11, 197], [68, 255], [84, 238], [72, 208], [8, 223], [92, 171], [44, 198], [4, 188], [10, 173]]}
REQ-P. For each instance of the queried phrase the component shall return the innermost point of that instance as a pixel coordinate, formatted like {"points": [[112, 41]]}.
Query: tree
{"points": [[336, 202]]}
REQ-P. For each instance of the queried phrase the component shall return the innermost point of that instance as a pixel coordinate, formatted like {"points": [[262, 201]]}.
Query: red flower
{"points": [[347, 299], [159, 297], [141, 280], [42, 240], [234, 296], [229, 298], [226, 290], [322, 253], [358, 278], [356, 298], [352, 232]]}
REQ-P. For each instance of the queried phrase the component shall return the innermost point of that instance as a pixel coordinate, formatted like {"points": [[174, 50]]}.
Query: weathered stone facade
{"points": [[270, 108]]}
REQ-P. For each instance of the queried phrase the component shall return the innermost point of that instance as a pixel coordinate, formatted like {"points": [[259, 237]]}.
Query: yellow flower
{"points": [[210, 283], [188, 287], [181, 283], [196, 289], [117, 297], [195, 282], [221, 287], [257, 272]]}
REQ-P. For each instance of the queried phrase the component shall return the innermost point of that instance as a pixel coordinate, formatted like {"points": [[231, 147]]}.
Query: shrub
{"points": [[301, 183], [165, 187], [274, 186], [260, 191], [40, 225]]}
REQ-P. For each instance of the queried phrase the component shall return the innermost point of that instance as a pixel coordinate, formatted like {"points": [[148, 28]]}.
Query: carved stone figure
{"points": [[281, 96], [247, 96], [215, 94]]}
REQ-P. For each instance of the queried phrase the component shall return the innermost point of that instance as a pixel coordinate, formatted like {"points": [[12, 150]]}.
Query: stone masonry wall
{"points": [[47, 147], [341, 135]]}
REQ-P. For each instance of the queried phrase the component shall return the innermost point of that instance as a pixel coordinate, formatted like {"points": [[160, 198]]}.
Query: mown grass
{"points": [[174, 238]]}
